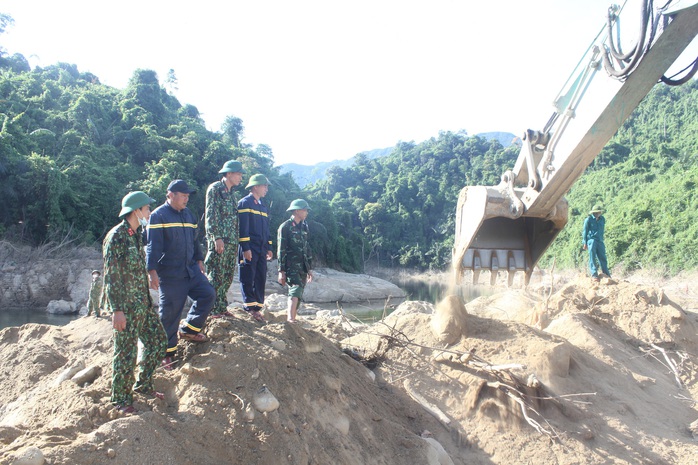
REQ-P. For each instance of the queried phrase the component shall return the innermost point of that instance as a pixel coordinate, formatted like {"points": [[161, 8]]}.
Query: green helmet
{"points": [[298, 204], [232, 166], [133, 201], [597, 209], [257, 180]]}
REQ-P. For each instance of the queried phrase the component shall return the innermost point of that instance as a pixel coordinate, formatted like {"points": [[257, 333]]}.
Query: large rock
{"points": [[328, 286], [448, 322], [61, 307], [31, 279], [332, 286]]}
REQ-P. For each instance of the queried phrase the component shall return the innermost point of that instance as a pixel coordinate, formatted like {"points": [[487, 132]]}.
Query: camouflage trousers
{"points": [[220, 271], [92, 308], [144, 325]]}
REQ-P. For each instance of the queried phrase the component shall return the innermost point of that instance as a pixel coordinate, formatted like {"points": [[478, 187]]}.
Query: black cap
{"points": [[179, 185]]}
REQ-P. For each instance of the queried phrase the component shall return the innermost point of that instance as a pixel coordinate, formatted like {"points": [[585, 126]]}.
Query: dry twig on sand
{"points": [[670, 364]]}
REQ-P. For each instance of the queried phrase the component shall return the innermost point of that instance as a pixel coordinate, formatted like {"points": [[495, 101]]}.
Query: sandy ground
{"points": [[578, 374]]}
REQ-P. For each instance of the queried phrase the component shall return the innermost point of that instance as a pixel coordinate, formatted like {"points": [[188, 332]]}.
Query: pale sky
{"points": [[320, 80]]}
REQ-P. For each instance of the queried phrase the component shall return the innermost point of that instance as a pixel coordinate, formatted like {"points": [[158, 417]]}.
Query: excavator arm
{"points": [[509, 227]]}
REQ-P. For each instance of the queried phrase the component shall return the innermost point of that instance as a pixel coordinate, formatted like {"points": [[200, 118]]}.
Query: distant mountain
{"points": [[309, 174], [504, 138]]}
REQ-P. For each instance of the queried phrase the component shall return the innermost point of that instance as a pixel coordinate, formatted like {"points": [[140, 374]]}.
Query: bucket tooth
{"points": [[493, 277], [494, 268], [511, 267]]}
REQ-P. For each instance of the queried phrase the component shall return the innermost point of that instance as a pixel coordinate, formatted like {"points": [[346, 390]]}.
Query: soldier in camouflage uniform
{"points": [[93, 301], [294, 255], [222, 234], [127, 296]]}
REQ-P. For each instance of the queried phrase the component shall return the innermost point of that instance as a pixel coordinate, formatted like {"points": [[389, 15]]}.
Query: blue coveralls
{"points": [[172, 251], [253, 220], [592, 236]]}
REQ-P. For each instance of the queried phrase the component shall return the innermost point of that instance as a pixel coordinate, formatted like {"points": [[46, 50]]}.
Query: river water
{"points": [[18, 317]]}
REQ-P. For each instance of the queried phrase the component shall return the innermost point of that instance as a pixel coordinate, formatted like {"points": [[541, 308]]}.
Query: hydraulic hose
{"points": [[670, 81], [633, 58]]}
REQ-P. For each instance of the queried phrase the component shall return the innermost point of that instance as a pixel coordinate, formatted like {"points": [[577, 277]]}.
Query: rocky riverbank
{"points": [[32, 278]]}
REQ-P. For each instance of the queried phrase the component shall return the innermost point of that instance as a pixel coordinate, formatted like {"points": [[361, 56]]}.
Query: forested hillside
{"points": [[403, 206], [70, 148], [646, 177]]}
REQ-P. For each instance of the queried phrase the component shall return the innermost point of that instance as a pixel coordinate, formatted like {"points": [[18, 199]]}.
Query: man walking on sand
{"points": [[222, 234], [176, 268], [294, 255], [127, 297], [592, 240]]}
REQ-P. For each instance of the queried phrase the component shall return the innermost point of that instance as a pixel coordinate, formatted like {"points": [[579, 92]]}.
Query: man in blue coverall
{"points": [[592, 240], [176, 267], [254, 248]]}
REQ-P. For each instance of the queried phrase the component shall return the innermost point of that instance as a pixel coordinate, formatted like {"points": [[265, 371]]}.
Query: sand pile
{"points": [[575, 377]]}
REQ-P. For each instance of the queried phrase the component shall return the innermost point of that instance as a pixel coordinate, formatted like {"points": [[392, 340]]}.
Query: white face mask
{"points": [[142, 221]]}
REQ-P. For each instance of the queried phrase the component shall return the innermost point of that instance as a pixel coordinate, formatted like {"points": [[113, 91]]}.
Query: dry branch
{"points": [[669, 362]]}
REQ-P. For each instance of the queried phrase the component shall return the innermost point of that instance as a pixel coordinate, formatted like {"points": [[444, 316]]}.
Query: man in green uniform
{"points": [[222, 234], [127, 297], [593, 241], [294, 255], [93, 301]]}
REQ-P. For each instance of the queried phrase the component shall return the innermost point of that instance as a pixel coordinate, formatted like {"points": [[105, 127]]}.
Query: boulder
{"points": [[448, 322], [30, 456], [61, 307], [327, 286]]}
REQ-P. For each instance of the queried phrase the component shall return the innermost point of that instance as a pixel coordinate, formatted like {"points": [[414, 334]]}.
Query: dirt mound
{"points": [[331, 410], [445, 387], [594, 387]]}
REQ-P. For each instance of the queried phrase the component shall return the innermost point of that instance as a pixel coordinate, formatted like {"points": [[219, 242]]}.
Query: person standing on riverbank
{"points": [[593, 241], [176, 268], [293, 253], [222, 234], [254, 249], [127, 297], [94, 299]]}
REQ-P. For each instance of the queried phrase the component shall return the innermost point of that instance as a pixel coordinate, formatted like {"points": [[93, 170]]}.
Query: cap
{"points": [[257, 180], [180, 185], [298, 204], [133, 201], [232, 166]]}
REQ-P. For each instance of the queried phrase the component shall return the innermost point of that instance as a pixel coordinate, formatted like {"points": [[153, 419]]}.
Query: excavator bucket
{"points": [[492, 233]]}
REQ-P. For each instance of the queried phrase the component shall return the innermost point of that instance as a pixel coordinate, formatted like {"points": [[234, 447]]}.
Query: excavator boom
{"points": [[509, 227]]}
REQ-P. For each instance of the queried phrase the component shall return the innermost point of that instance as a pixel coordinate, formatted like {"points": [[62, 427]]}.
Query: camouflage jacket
{"points": [[293, 249], [221, 215], [93, 301], [125, 275]]}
